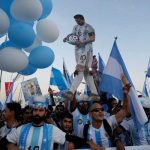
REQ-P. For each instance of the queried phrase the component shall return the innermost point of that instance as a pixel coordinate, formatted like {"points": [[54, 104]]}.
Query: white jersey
{"points": [[100, 136], [138, 136], [83, 34], [79, 121], [4, 131], [30, 137]]}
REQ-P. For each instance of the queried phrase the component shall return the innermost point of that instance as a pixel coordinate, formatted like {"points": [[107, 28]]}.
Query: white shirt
{"points": [[100, 136], [35, 136], [79, 121]]}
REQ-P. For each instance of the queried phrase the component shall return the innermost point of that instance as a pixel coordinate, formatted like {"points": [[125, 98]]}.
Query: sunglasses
{"points": [[98, 110]]}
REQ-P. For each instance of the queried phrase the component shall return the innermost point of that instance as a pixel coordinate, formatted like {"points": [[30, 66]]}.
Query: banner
{"points": [[30, 88], [7, 87]]}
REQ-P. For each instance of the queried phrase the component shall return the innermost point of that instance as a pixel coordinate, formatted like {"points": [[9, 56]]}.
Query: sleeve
{"points": [[13, 136], [112, 121], [58, 135], [125, 125], [90, 29]]}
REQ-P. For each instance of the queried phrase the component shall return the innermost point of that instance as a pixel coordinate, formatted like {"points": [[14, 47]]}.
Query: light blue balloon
{"points": [[21, 34], [47, 8], [8, 44], [28, 70], [41, 57]]}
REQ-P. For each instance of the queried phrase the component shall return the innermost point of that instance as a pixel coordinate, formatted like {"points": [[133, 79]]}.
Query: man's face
{"points": [[97, 112], [83, 107], [80, 21], [67, 124], [39, 114], [27, 115], [8, 114]]}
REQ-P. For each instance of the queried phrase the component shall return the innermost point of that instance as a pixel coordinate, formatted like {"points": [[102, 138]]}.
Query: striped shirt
{"points": [[79, 120], [39, 138], [139, 136], [100, 136]]}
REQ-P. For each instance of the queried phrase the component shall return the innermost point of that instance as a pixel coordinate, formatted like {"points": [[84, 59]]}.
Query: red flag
{"points": [[7, 87]]}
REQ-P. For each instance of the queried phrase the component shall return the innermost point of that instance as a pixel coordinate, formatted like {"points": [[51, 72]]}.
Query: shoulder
{"points": [[89, 26]]}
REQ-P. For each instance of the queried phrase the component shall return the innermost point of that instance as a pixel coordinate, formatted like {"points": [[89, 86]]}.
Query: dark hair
{"points": [[50, 107], [67, 115], [16, 107], [79, 16]]}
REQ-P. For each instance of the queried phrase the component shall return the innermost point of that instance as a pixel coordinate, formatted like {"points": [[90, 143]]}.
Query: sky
{"points": [[129, 20]]}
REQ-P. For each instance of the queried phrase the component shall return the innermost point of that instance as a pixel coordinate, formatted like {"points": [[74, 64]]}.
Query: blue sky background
{"points": [[127, 19]]}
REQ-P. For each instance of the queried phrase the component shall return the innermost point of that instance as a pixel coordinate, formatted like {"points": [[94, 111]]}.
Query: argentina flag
{"points": [[101, 64], [58, 79], [68, 78], [112, 83]]}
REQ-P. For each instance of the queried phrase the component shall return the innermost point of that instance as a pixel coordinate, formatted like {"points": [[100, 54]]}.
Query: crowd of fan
{"points": [[86, 123]]}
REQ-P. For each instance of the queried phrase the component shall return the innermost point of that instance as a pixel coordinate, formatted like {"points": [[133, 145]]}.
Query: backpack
{"points": [[107, 128]]}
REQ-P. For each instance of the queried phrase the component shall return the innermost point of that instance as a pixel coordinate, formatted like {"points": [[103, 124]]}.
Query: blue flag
{"points": [[145, 92], [148, 72], [68, 78], [58, 79], [101, 64], [112, 83]]}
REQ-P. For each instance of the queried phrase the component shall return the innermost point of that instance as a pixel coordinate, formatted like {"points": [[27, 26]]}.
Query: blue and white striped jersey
{"points": [[39, 138], [100, 136], [79, 121], [139, 136]]}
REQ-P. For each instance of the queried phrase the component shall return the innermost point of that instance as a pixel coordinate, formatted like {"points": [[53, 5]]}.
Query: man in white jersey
{"points": [[83, 55], [139, 136], [38, 134], [81, 115], [97, 135]]}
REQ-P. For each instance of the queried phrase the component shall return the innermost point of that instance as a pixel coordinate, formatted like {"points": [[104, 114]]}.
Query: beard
{"points": [[37, 119]]}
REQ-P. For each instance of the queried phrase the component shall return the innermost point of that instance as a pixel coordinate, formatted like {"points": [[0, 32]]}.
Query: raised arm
{"points": [[126, 104]]}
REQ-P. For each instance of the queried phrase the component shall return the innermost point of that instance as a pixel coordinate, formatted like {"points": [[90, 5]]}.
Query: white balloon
{"points": [[37, 42], [12, 59], [26, 10], [47, 30], [4, 22]]}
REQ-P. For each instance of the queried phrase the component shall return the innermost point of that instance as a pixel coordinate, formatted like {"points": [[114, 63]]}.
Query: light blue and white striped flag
{"points": [[58, 79], [101, 64], [148, 72], [145, 91], [66, 75], [111, 83]]}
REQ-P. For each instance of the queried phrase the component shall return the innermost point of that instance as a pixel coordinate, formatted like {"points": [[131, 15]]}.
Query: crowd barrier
{"points": [[142, 147]]}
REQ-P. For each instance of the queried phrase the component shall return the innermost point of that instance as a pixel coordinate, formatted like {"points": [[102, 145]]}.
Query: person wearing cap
{"points": [[83, 55], [79, 110], [37, 134], [98, 134], [58, 114]]}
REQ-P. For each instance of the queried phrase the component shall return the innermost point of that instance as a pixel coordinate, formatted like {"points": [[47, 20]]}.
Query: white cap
{"points": [[39, 101], [145, 102], [82, 97]]}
